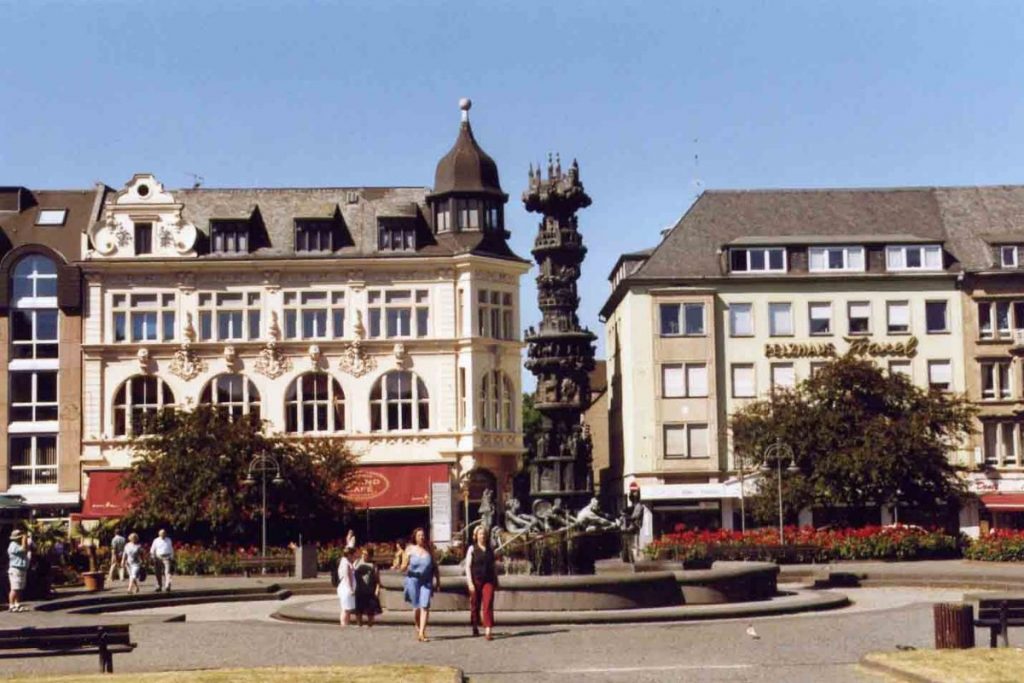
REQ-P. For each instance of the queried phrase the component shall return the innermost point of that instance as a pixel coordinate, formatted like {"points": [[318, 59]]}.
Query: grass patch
{"points": [[980, 665], [326, 674]]}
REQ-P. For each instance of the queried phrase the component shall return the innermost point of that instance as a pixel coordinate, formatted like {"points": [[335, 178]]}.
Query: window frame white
{"points": [[300, 306], [125, 306], [765, 252], [889, 326], [33, 467], [774, 306], [296, 402], [248, 403], [825, 253], [937, 363], [898, 264], [495, 314], [734, 310], [381, 400], [820, 305], [379, 308]]}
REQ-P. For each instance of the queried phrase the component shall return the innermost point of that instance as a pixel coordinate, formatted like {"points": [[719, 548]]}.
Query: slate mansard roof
{"points": [[967, 221]]}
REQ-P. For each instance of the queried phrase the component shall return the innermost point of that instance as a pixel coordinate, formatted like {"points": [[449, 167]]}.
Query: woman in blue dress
{"points": [[422, 579]]}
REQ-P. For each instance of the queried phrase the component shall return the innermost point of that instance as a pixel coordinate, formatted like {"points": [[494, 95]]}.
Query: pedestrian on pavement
{"points": [[367, 588], [346, 586], [17, 567], [131, 559], [399, 556], [422, 579], [162, 554], [482, 581], [117, 544]]}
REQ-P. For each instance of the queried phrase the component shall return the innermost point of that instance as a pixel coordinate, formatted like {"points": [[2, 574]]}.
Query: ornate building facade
{"points": [[387, 315]]}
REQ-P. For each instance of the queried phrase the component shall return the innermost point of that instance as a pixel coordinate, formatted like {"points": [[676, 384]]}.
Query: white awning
{"points": [[689, 491]]}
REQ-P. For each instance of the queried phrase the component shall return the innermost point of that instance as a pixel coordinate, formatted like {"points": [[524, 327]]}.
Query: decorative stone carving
{"points": [[402, 359], [185, 363], [354, 359], [315, 356], [271, 361], [144, 360], [231, 357]]}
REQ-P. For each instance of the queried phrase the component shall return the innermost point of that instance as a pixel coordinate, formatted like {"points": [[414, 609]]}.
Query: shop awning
{"points": [[394, 486], [105, 497], [1003, 501]]}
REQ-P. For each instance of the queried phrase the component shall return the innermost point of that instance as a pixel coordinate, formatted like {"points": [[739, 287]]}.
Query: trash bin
{"points": [[305, 561], [954, 626]]}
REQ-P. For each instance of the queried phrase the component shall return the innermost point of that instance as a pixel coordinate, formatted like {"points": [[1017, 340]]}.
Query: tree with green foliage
{"points": [[531, 422], [189, 468], [860, 437]]}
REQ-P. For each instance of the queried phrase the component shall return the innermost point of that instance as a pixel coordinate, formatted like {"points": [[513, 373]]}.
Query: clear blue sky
{"points": [[657, 100]]}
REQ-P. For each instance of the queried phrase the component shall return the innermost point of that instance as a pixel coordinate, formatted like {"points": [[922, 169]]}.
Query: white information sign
{"points": [[441, 512]]}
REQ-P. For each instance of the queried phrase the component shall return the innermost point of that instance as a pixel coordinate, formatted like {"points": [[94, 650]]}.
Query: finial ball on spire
{"points": [[465, 104]]}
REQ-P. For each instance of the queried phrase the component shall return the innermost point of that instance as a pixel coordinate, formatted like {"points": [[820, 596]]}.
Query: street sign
{"points": [[441, 512]]}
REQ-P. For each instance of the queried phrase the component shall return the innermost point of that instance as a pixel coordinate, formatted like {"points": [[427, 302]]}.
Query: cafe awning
{"points": [[394, 486], [1007, 502], [104, 497]]}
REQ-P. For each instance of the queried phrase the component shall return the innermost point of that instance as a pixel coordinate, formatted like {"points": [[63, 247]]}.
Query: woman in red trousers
{"points": [[482, 581]]}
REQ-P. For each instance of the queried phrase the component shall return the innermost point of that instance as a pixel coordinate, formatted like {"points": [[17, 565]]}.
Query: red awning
{"points": [[394, 486], [104, 497], [1003, 501]]}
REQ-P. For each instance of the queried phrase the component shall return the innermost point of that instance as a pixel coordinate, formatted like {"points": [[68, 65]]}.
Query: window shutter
{"points": [[697, 380], [673, 383]]}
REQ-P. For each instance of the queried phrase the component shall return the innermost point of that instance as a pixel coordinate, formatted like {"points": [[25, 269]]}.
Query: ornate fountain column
{"points": [[561, 353]]}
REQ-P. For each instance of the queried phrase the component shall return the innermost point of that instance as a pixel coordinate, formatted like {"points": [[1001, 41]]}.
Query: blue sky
{"points": [[657, 100]]}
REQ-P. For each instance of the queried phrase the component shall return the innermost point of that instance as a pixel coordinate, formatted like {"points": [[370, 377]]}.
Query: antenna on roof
{"points": [[696, 183], [197, 180]]}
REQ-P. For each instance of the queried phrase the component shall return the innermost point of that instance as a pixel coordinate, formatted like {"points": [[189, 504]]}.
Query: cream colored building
{"points": [[388, 316]]}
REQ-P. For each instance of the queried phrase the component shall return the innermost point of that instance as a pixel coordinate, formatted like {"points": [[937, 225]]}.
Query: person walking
{"points": [[422, 579], [482, 581], [117, 544], [162, 554], [131, 560], [17, 567], [399, 557], [346, 586], [367, 589]]}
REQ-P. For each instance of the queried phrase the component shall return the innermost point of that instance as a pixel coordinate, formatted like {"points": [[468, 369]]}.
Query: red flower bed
{"points": [[1000, 545], [805, 544]]}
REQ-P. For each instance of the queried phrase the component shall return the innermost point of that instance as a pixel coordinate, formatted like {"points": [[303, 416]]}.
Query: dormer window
{"points": [[396, 236], [229, 237], [758, 260], [51, 217], [913, 257], [443, 216], [143, 238], [468, 214], [826, 259], [314, 236], [1008, 256]]}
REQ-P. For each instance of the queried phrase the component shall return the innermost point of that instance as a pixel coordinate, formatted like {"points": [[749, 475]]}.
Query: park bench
{"points": [[67, 640], [255, 565], [998, 614]]}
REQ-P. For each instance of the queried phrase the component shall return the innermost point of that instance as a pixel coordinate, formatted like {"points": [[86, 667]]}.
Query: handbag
{"points": [[141, 576]]}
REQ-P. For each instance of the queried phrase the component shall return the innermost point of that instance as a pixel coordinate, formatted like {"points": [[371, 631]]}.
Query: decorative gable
{"points": [[141, 221]]}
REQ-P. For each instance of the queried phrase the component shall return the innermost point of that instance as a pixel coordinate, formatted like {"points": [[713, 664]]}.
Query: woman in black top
{"points": [[482, 581]]}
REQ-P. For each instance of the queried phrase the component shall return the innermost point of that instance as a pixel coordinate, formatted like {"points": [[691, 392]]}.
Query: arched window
{"points": [[234, 393], [399, 401], [34, 308], [314, 403], [136, 400], [496, 402]]}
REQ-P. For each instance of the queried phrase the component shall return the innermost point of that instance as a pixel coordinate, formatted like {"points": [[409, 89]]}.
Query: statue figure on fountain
{"points": [[517, 522], [591, 519], [487, 509]]}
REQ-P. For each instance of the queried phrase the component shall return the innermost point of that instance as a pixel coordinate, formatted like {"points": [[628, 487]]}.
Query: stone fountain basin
{"points": [[652, 586]]}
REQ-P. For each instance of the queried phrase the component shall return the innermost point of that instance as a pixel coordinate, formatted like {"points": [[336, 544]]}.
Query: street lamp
{"points": [[261, 464], [778, 452]]}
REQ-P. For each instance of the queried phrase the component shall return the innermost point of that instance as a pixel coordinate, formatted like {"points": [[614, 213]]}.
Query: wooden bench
{"points": [[68, 640], [258, 566], [998, 614]]}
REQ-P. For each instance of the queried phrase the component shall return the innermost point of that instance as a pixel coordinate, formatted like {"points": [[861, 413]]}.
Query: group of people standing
{"points": [[126, 557]]}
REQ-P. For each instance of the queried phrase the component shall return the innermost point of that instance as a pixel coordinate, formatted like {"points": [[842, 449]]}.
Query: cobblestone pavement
{"points": [[811, 647]]}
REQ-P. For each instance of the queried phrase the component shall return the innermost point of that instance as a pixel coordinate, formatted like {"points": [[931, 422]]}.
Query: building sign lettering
{"points": [[859, 346]]}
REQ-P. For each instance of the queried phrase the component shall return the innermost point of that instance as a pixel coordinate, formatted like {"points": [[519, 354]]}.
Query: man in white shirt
{"points": [[162, 554]]}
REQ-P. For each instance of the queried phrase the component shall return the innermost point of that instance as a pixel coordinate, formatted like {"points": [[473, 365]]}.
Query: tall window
{"points": [[824, 259], [495, 315], [143, 317], [758, 260], [314, 315], [682, 319], [686, 441], [913, 257], [999, 319], [936, 316], [1008, 256], [227, 316], [399, 312], [820, 318], [136, 401], [33, 459], [314, 402], [234, 393], [995, 381], [741, 320], [780, 319], [399, 402], [143, 238], [442, 216], [230, 237], [33, 396], [1001, 443], [689, 380], [34, 315], [314, 236], [496, 402], [859, 317]]}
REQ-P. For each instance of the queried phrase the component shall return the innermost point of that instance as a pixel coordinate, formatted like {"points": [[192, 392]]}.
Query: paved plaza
{"points": [[811, 647]]}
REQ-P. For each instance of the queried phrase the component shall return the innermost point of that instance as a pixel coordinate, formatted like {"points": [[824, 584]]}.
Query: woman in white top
{"points": [[346, 586], [131, 559]]}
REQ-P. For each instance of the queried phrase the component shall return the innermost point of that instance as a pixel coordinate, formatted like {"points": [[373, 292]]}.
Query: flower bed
{"points": [[1001, 545], [805, 544]]}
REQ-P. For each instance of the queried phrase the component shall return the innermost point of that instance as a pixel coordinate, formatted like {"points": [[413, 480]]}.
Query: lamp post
{"points": [[261, 464], [778, 452]]}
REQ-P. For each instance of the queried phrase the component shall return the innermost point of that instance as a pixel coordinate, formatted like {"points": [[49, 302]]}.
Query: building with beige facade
{"points": [[388, 316], [754, 289]]}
